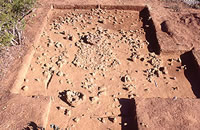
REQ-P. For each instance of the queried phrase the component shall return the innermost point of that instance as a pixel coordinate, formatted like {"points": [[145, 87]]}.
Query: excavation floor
{"points": [[88, 60]]}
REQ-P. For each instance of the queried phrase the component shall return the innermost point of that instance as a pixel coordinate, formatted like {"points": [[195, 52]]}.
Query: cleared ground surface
{"points": [[169, 114], [88, 61]]}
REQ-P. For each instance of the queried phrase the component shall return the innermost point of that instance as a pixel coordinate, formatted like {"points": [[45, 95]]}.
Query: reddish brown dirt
{"points": [[23, 110], [103, 55], [91, 76], [160, 113]]}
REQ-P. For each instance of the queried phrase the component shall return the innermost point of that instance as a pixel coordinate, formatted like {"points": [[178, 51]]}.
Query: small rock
{"points": [[24, 88], [101, 21], [125, 78], [174, 98], [101, 120], [38, 80], [59, 73], [67, 112], [112, 119], [142, 59], [131, 96], [93, 99], [63, 32], [173, 78], [60, 81], [32, 69], [26, 80], [76, 119], [183, 67], [179, 60], [100, 93]]}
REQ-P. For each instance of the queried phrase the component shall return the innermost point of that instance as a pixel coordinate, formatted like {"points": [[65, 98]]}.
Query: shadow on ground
{"points": [[128, 114], [33, 126], [149, 28], [192, 72]]}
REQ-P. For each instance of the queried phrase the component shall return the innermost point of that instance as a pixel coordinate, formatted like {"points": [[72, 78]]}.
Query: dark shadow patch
{"points": [[63, 97], [165, 28], [128, 114], [150, 31], [33, 126], [192, 72]]}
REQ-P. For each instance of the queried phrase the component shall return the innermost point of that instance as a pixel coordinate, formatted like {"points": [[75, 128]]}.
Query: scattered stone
{"points": [[142, 59], [71, 97], [112, 119], [101, 21], [24, 88], [125, 124], [59, 73], [184, 67], [173, 78], [26, 80], [130, 96], [126, 78], [100, 93], [76, 119], [58, 45], [68, 81], [101, 120], [67, 112], [93, 99], [58, 108], [179, 60], [63, 32], [38, 80], [174, 98], [60, 82], [175, 88]]}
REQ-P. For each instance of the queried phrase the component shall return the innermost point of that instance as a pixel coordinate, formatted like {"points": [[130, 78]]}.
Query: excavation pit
{"points": [[102, 54]]}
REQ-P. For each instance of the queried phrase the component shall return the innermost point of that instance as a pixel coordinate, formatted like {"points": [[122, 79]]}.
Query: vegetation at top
{"points": [[12, 13]]}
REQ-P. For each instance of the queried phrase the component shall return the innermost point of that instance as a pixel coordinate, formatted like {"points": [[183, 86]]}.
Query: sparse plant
{"points": [[12, 13]]}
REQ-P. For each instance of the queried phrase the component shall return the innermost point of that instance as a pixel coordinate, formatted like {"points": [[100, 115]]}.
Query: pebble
{"points": [[58, 45], [32, 69], [125, 124], [38, 80], [26, 80], [183, 67], [174, 98], [173, 78], [24, 88], [76, 119], [67, 112], [93, 99], [112, 119], [100, 93], [63, 32], [179, 60], [60, 81], [131, 96], [101, 120], [125, 78], [59, 73]]}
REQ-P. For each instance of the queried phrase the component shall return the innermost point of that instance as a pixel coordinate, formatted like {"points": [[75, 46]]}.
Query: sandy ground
{"points": [[88, 61]]}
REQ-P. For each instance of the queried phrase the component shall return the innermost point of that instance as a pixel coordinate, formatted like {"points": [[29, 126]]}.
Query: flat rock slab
{"points": [[158, 114], [20, 110]]}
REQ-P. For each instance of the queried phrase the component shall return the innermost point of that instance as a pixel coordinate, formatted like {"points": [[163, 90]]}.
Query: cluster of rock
{"points": [[71, 97]]}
